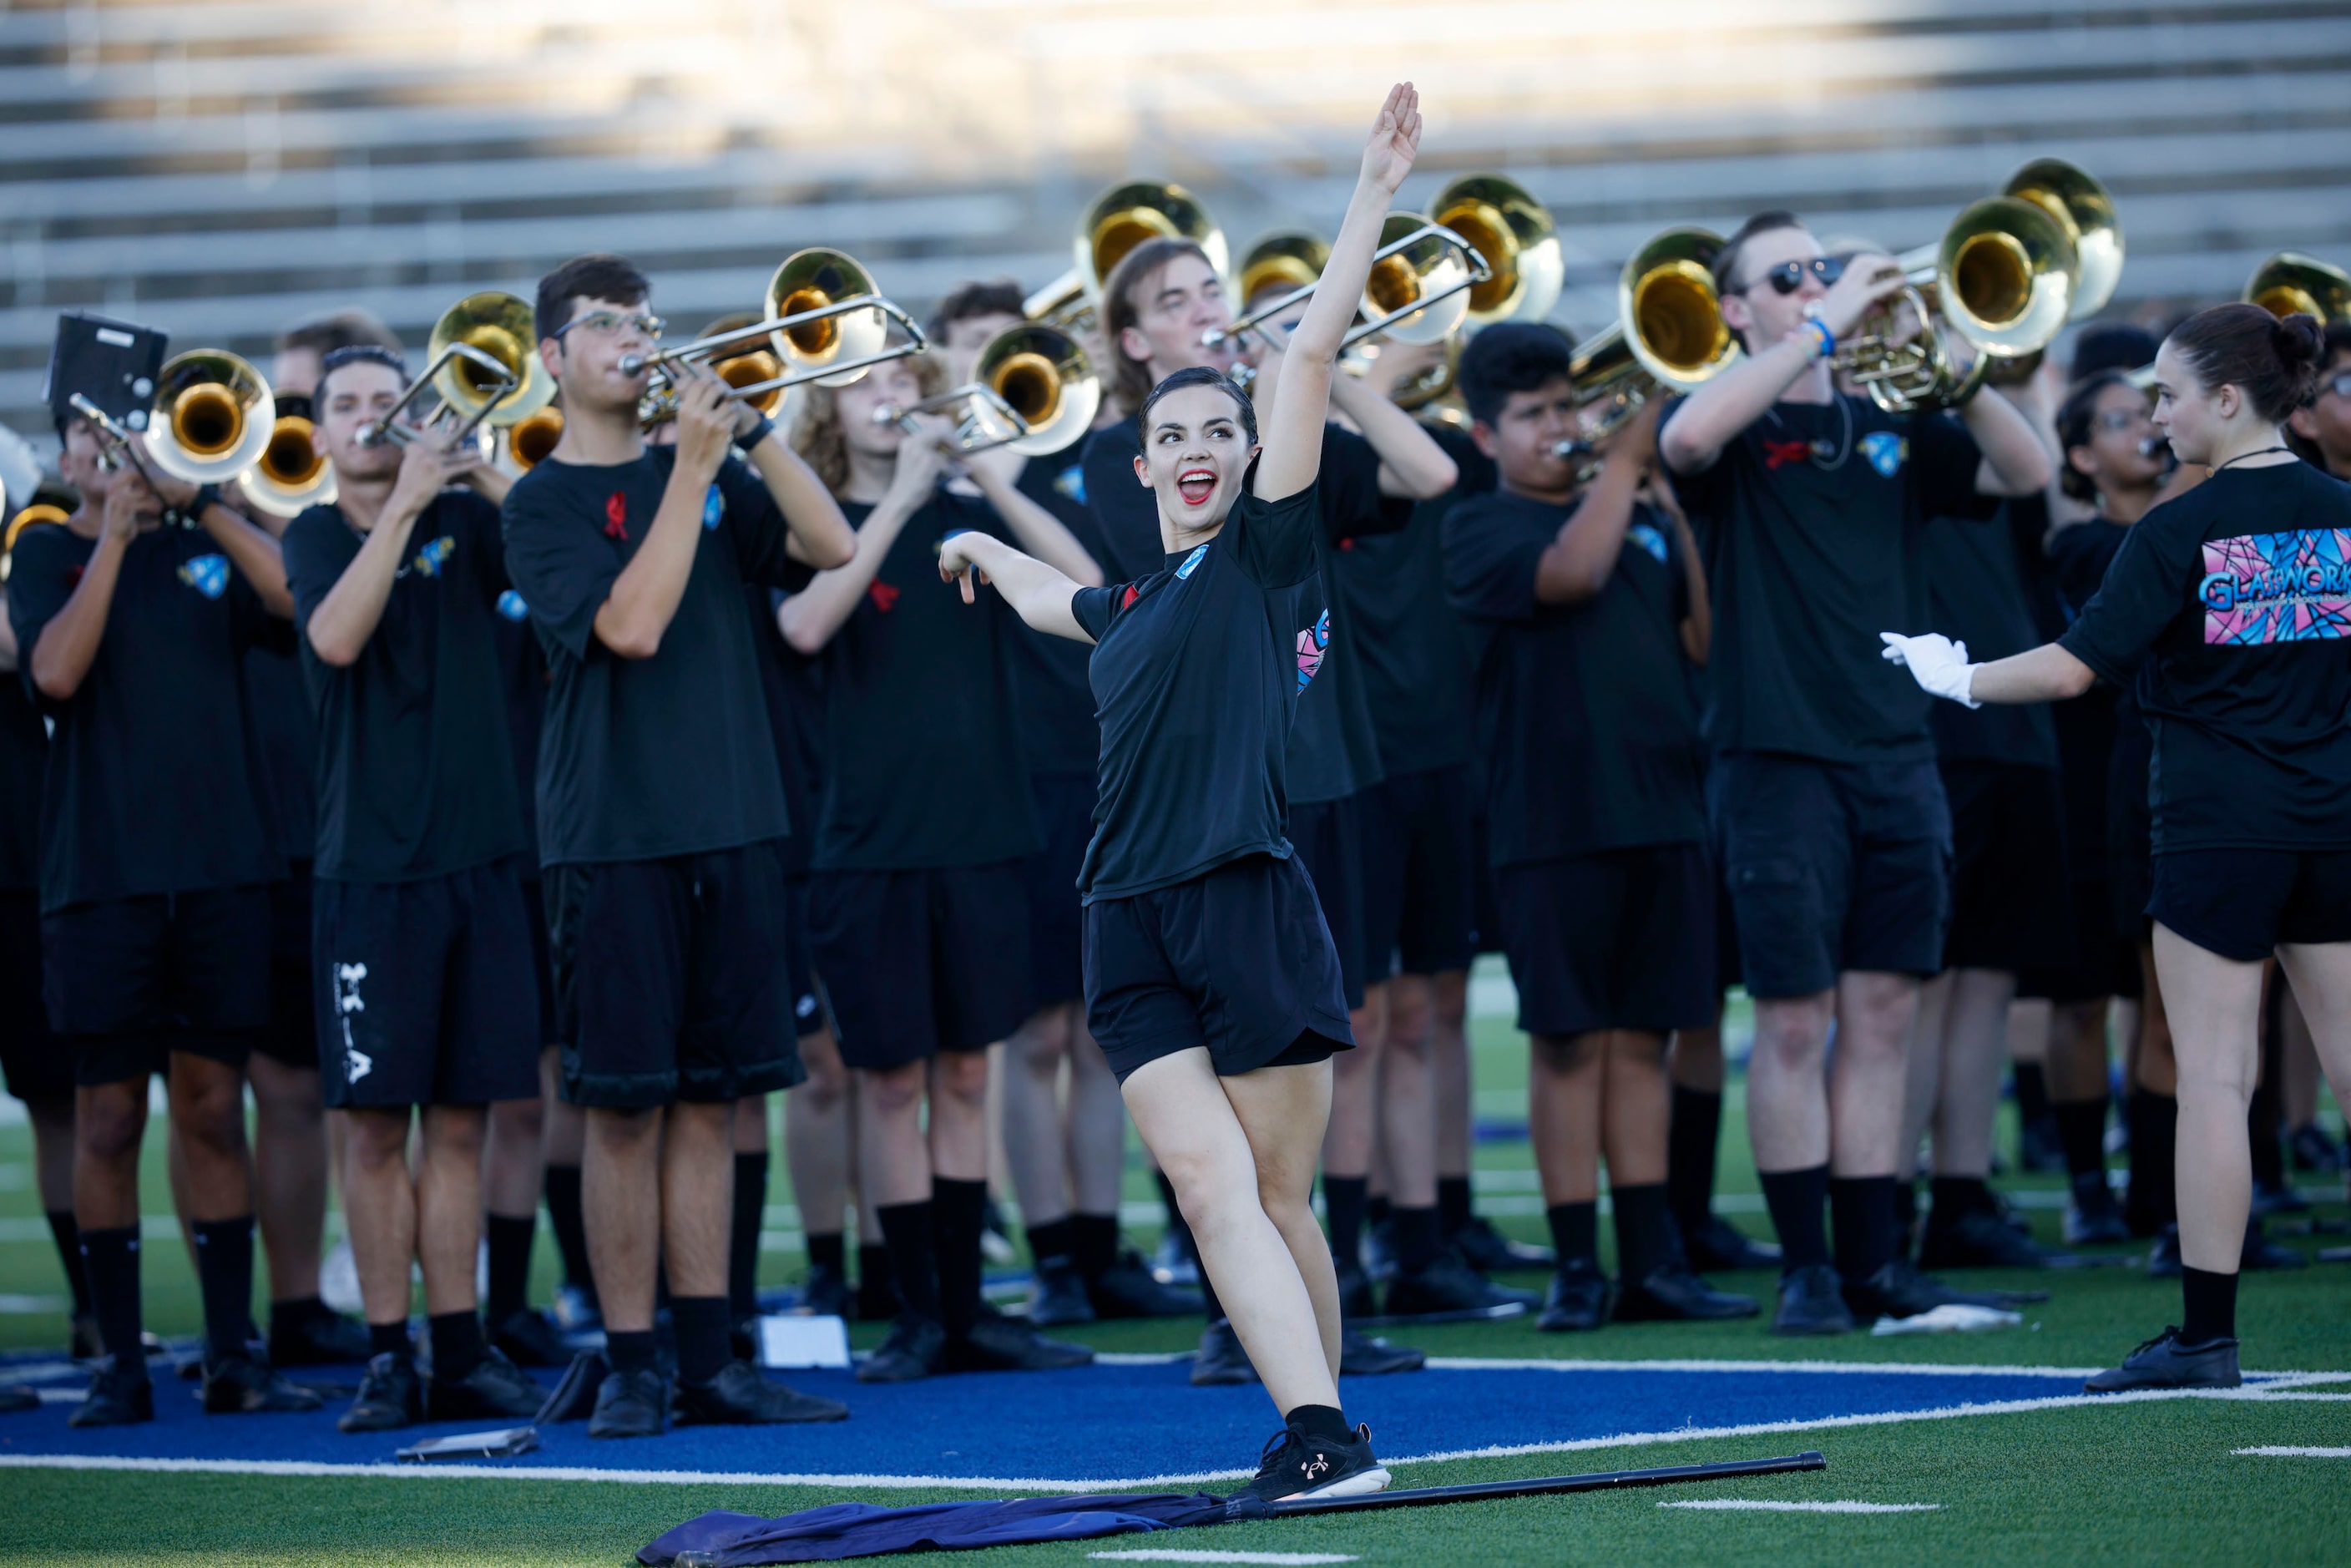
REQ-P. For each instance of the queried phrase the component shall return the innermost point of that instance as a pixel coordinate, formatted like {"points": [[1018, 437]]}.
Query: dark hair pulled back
{"points": [[2273, 360]]}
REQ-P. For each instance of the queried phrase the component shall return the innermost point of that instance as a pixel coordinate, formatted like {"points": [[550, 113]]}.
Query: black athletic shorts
{"points": [[1727, 971], [1328, 840], [426, 994], [2011, 901], [2243, 903], [292, 1034], [35, 1068], [1065, 811], [1620, 939], [670, 978], [1237, 961], [2130, 827], [917, 962], [1833, 866], [2103, 962], [542, 963], [133, 979], [1485, 913], [1416, 858], [808, 1015]]}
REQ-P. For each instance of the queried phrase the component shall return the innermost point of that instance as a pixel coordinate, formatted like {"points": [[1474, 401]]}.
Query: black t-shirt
{"points": [[1056, 705], [288, 735], [1417, 678], [2239, 594], [1195, 676], [154, 781], [23, 755], [1977, 595], [522, 679], [642, 758], [795, 697], [1813, 525], [416, 772], [2077, 558], [1583, 711], [922, 747]]}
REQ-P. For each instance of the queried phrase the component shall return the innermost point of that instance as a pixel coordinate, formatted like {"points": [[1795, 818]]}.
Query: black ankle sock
{"points": [[1453, 1210], [1093, 1241], [2155, 1131], [1861, 1209], [1690, 1142], [2208, 1302], [704, 1345], [109, 1261], [1645, 1230], [510, 1238], [225, 1275], [913, 1259], [827, 1252], [1906, 1203], [392, 1339], [1054, 1238], [1955, 1196], [749, 1217], [67, 1236], [959, 1215], [630, 1352], [1575, 1232], [1377, 1209], [1322, 1423], [1342, 1202], [1418, 1238], [2082, 1134], [571, 1230], [1796, 1199], [1175, 1220], [456, 1345], [2032, 1093]]}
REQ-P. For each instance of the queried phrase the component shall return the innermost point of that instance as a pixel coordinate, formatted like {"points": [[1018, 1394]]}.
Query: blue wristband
{"points": [[1826, 343]]}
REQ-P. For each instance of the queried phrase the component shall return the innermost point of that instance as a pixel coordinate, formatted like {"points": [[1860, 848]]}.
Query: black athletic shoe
{"points": [[1898, 1290], [119, 1396], [1674, 1294], [2038, 1146], [1379, 1248], [1296, 1466], [1128, 1289], [1811, 1302], [631, 1405], [1355, 1299], [916, 1348], [1450, 1286], [577, 1310], [82, 1342], [825, 1292], [495, 1387], [529, 1338], [2260, 1253], [1490, 1251], [1361, 1355], [2094, 1216], [245, 1386], [320, 1339], [2163, 1258], [1980, 1239], [1058, 1295], [738, 1396], [2278, 1197], [2312, 1150], [999, 1343], [877, 1299], [1172, 1263], [1220, 1361], [15, 1397], [2164, 1363], [1580, 1298], [391, 1395], [995, 1236], [1718, 1246]]}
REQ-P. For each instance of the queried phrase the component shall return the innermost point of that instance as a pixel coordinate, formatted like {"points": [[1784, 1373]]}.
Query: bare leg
{"points": [[622, 1180], [2077, 1051], [1923, 1077], [109, 1120], [448, 1214], [1566, 1078], [289, 1172], [1873, 1014], [2215, 1008], [2297, 1063], [1787, 1082], [816, 1136], [2154, 1068], [894, 1159], [53, 1151], [1975, 1044], [698, 1199], [513, 1162], [1407, 1091], [1097, 1123], [1696, 1057], [1635, 1108], [959, 1130], [2321, 977], [379, 1211], [1448, 1036], [208, 1109], [1347, 1145], [1034, 1139]]}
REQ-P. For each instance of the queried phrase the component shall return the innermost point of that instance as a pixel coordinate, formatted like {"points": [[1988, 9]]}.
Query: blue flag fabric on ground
{"points": [[844, 1530]]}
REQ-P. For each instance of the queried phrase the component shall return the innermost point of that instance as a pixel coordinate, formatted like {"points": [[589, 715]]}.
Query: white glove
{"points": [[1939, 664]]}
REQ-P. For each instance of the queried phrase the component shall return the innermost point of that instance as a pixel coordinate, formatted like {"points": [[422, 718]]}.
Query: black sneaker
{"points": [[2259, 1253], [1898, 1290], [391, 1396], [877, 1299], [1379, 1260], [1296, 1466], [1450, 1287], [320, 1339], [1128, 1289], [2163, 1258], [1811, 1302], [631, 1405], [825, 1292], [2312, 1150], [1173, 1261], [15, 1397], [1361, 1355], [2094, 1216], [1719, 1247], [245, 1386], [577, 1310], [119, 1396], [82, 1342], [738, 1396], [2038, 1146], [999, 1343], [1490, 1251], [1220, 1361], [1058, 1295], [1356, 1300], [916, 1347], [2278, 1197], [2164, 1363], [1674, 1294], [1580, 1299], [530, 1338], [495, 1387], [1978, 1238]]}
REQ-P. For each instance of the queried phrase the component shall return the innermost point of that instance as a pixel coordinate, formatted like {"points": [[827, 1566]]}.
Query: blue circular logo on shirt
{"points": [[714, 507], [511, 605]]}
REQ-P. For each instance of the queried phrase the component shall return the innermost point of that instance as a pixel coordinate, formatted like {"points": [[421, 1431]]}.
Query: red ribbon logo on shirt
{"points": [[1133, 593], [883, 594], [1777, 451], [616, 515]]}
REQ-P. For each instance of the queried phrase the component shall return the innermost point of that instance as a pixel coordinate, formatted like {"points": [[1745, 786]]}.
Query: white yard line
{"points": [[1168, 1554], [1728, 1504], [2296, 1453]]}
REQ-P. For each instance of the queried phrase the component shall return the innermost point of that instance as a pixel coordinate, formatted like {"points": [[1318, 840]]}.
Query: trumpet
{"points": [[1121, 218], [1668, 333], [1417, 291], [1032, 389], [483, 367], [289, 476], [2291, 284], [211, 418]]}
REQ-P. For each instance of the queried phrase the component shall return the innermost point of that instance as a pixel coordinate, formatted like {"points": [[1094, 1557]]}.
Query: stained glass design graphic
{"points": [[2260, 589]]}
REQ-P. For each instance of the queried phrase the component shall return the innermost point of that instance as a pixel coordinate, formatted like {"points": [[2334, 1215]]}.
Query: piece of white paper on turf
{"points": [[1951, 1317], [802, 1342]]}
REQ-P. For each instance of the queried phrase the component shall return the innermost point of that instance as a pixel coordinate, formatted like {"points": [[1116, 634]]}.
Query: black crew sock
{"points": [[109, 1261], [456, 1345], [874, 1270], [1214, 1308], [1418, 1239], [1319, 1423], [1691, 1141], [1453, 1210], [2264, 1116], [1343, 1204], [630, 1352], [225, 1276], [2032, 1093], [392, 1339], [1575, 1233], [1055, 1239], [1861, 1208], [748, 1217], [1175, 1220], [1378, 1211], [2208, 1302], [1645, 1230], [1954, 1196], [829, 1253], [959, 1215], [571, 1230], [511, 1238], [1093, 1241], [2155, 1132], [2082, 1134], [1906, 1204], [914, 1260], [1795, 1199], [704, 1345], [286, 1317], [67, 1236]]}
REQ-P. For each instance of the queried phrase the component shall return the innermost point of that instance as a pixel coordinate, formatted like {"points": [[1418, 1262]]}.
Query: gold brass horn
{"points": [[1418, 290], [289, 476], [530, 441], [2082, 207], [2290, 284], [1120, 219], [499, 327], [212, 417], [1286, 260], [1668, 333], [1516, 235], [1032, 389], [52, 503], [750, 363]]}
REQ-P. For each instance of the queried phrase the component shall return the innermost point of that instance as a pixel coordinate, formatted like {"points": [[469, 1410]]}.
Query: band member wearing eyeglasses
{"points": [[1835, 830], [156, 860], [917, 912], [2228, 605], [424, 999], [660, 808], [2324, 424]]}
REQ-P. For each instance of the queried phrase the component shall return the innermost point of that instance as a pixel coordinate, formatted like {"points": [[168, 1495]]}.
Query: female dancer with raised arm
{"points": [[1211, 979]]}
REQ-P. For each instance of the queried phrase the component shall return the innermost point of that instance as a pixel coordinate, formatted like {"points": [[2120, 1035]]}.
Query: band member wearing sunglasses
{"points": [[659, 811], [1835, 832]]}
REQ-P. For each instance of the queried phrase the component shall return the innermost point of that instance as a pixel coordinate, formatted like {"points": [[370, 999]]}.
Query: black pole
{"points": [[1543, 1486]]}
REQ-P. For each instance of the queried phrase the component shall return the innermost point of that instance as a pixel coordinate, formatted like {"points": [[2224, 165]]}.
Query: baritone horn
{"points": [[211, 418], [290, 475], [529, 442], [2292, 284], [1515, 235], [1668, 335], [1032, 389], [1121, 218]]}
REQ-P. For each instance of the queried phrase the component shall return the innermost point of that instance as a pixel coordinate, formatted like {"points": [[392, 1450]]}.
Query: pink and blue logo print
{"points": [[1312, 644], [2260, 589]]}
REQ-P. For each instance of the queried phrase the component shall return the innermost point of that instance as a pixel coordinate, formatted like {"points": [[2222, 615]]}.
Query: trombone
{"points": [[211, 418], [289, 476], [1515, 235], [2292, 284], [484, 366], [1417, 293], [1033, 388], [1121, 218]]}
